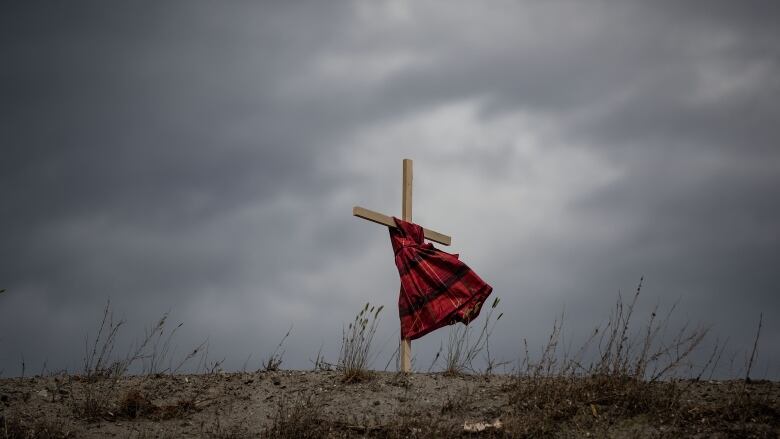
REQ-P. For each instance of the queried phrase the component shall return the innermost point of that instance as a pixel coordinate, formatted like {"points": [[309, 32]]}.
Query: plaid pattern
{"points": [[437, 289]]}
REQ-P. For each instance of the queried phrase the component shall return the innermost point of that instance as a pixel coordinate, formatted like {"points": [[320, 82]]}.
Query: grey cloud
{"points": [[190, 156]]}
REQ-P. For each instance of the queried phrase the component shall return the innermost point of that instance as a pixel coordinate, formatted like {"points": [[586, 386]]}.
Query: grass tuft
{"points": [[357, 337], [297, 417], [102, 371], [135, 404], [463, 348], [39, 428], [273, 362], [629, 376]]}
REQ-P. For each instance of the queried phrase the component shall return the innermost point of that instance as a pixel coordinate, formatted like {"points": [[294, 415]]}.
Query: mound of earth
{"points": [[319, 404]]}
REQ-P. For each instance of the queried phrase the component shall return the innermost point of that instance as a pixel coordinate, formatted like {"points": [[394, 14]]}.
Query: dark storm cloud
{"points": [[147, 117], [133, 138], [683, 101], [201, 157]]}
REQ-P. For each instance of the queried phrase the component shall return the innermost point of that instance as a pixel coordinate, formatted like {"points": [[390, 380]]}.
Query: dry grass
{"points": [[102, 370], [410, 423], [561, 406], [458, 403], [546, 404], [274, 361], [302, 417], [620, 351], [624, 381], [356, 341], [319, 362], [740, 413], [218, 430], [136, 404], [19, 428], [298, 417], [463, 348], [632, 380]]}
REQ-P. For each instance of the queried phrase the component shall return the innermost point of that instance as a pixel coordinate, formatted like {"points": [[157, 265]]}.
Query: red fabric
{"points": [[437, 289]]}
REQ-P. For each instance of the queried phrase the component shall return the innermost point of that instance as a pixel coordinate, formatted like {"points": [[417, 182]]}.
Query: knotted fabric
{"points": [[437, 289]]}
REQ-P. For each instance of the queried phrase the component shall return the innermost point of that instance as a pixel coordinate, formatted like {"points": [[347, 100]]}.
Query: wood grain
{"points": [[380, 218]]}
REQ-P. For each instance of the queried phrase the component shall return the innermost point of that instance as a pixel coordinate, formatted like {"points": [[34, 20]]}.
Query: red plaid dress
{"points": [[437, 289]]}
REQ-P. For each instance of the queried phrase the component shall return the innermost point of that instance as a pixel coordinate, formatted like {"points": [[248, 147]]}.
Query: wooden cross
{"points": [[405, 349]]}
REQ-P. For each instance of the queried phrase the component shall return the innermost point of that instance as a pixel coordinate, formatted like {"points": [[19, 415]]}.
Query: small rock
{"points": [[474, 427], [277, 381], [376, 402]]}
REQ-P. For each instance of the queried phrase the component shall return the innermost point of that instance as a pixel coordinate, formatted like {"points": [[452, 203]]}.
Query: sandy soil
{"points": [[298, 403]]}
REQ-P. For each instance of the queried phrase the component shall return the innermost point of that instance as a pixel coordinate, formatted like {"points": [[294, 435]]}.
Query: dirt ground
{"points": [[319, 404]]}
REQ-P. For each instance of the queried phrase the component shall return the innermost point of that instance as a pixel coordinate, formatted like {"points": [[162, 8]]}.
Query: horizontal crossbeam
{"points": [[379, 218]]}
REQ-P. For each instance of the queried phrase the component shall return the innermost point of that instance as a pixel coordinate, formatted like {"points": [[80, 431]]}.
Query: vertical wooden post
{"points": [[406, 191], [406, 215]]}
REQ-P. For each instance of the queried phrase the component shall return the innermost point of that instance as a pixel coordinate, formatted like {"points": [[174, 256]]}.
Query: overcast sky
{"points": [[204, 157]]}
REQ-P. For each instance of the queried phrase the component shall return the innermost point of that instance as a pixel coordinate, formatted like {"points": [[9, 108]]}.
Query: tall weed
{"points": [[356, 341]]}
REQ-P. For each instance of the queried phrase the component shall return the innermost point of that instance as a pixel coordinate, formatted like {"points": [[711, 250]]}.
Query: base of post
{"points": [[406, 355]]}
